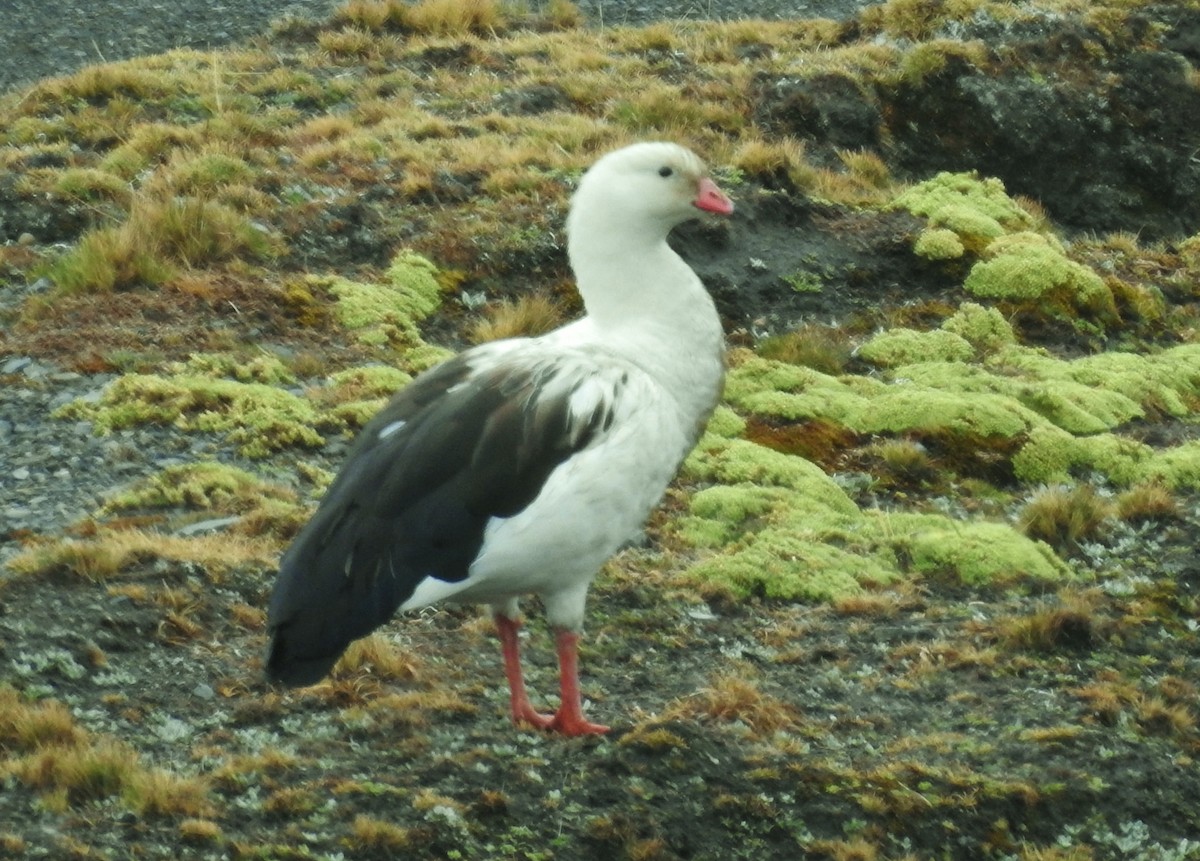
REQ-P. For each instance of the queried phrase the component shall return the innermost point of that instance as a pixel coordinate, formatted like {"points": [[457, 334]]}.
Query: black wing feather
{"points": [[414, 503]]}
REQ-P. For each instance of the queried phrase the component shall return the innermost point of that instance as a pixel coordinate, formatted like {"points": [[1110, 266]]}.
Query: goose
{"points": [[520, 466]]}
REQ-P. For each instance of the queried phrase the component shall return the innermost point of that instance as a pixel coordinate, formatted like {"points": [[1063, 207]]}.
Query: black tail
{"points": [[336, 583]]}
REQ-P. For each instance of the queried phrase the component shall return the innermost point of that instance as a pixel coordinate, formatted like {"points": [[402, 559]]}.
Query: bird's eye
{"points": [[665, 171]]}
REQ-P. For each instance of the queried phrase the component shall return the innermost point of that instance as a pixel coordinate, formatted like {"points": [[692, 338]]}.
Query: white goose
{"points": [[520, 466]]}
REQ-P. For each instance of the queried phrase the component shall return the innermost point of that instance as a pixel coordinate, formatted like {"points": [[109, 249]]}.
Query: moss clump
{"points": [[369, 381], [387, 313], [906, 346], [784, 566], [719, 513], [1031, 271], [975, 210], [939, 243], [1051, 454], [985, 329], [257, 417], [724, 422], [262, 368], [977, 553], [740, 461], [806, 540], [204, 486]]}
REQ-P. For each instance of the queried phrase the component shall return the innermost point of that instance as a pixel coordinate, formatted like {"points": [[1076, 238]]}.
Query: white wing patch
{"points": [[389, 429]]}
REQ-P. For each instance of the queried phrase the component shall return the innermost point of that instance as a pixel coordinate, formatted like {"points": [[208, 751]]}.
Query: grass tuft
{"points": [[1065, 517], [455, 17], [735, 698], [528, 316]]}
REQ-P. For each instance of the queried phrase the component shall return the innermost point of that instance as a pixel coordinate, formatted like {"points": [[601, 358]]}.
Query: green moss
{"points": [[784, 566], [367, 382], [975, 210], [720, 512], [741, 461], [1050, 455], [976, 552], [262, 368], [1014, 391], [906, 346], [387, 313], [724, 422], [910, 407], [939, 243], [206, 486], [797, 540], [424, 356], [257, 417], [986, 329], [1177, 467], [1033, 272]]}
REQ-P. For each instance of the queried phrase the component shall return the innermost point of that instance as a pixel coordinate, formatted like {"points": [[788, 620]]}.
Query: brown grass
{"points": [[733, 697], [111, 553], [48, 751], [528, 316]]}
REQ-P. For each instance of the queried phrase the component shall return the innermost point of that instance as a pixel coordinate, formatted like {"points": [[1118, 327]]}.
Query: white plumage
{"points": [[520, 466]]}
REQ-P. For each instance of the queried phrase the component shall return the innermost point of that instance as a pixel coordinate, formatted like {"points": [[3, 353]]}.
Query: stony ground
{"points": [[927, 717]]}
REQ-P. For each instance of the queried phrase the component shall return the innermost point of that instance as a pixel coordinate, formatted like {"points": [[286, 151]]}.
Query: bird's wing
{"points": [[464, 443]]}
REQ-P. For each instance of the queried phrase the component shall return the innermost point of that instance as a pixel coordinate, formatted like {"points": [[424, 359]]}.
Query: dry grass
{"points": [[827, 349], [49, 752], [736, 698], [528, 316], [1064, 517], [455, 17], [380, 835], [160, 236], [378, 656], [1148, 502], [111, 553]]}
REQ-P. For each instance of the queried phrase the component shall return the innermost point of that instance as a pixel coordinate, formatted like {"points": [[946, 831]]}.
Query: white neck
{"points": [[644, 302]]}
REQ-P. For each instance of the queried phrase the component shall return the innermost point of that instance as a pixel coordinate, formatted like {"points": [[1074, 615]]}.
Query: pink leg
{"points": [[522, 710], [569, 719]]}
